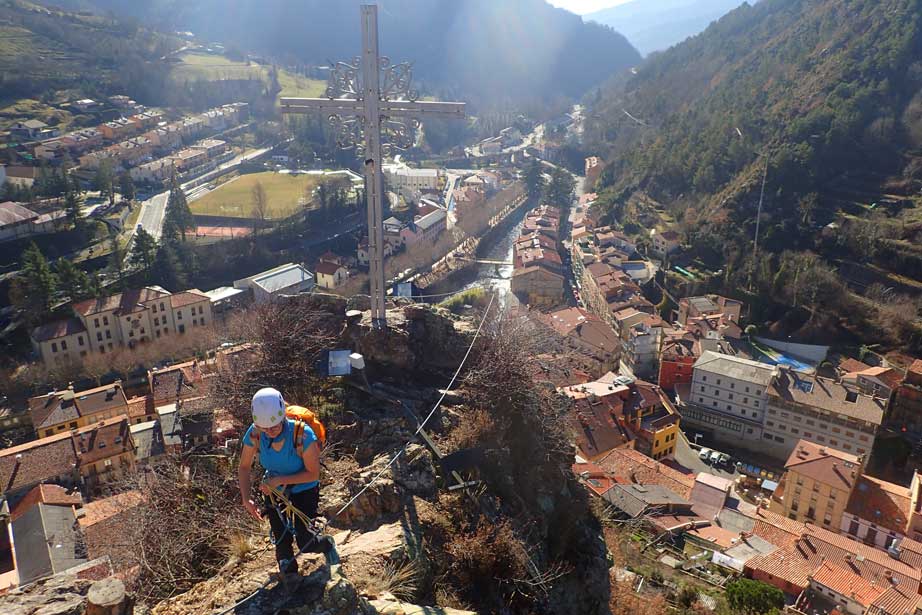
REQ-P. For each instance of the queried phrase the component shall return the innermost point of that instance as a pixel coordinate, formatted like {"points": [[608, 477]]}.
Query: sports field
{"points": [[284, 192], [213, 67]]}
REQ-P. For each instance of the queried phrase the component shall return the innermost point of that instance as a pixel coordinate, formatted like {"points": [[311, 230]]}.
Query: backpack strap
{"points": [[298, 436]]}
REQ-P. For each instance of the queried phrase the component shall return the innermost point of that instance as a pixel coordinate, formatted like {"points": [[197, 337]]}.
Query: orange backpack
{"points": [[305, 416]]}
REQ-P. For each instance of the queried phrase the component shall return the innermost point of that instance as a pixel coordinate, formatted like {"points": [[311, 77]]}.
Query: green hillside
{"points": [[829, 93], [44, 50]]}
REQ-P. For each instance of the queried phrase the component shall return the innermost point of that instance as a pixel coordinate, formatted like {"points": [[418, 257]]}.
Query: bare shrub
{"points": [[401, 579], [180, 533], [288, 339]]}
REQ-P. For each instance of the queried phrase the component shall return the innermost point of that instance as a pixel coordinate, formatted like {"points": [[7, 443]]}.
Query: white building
{"points": [[126, 319], [287, 279], [728, 396], [407, 181]]}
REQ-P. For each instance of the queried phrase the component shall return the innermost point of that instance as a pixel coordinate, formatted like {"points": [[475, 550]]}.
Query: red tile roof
{"points": [[776, 529], [108, 438], [630, 466], [852, 365], [825, 465], [125, 302], [327, 268], [846, 583], [885, 504], [57, 329], [53, 495], [187, 298]]}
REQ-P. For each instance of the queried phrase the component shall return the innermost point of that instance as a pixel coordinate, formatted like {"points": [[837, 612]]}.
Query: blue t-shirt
{"points": [[286, 461]]}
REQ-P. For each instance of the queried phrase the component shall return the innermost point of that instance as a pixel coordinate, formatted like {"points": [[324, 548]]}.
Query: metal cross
{"points": [[370, 100]]}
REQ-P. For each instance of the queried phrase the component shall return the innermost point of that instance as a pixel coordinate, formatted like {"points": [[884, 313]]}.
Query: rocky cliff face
{"points": [[407, 540]]}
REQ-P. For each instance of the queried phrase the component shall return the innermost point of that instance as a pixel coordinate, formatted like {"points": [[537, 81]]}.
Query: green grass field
{"points": [[235, 198], [212, 67]]}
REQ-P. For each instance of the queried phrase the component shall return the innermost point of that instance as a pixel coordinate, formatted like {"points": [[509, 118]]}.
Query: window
{"points": [[808, 434], [820, 439], [853, 528], [767, 436], [745, 400], [811, 422], [836, 430], [131, 333], [794, 430], [827, 519], [704, 378], [824, 426], [73, 426], [779, 439], [201, 321], [832, 496], [96, 322], [108, 334], [743, 412], [847, 446], [98, 336], [142, 330], [755, 403], [732, 385], [861, 451], [794, 506], [179, 315], [54, 347], [747, 389], [850, 434], [718, 382], [730, 396], [182, 328], [863, 438], [716, 392], [201, 310], [800, 480], [749, 430], [729, 407], [700, 400], [162, 309], [156, 322], [105, 321], [80, 340], [158, 332], [63, 344], [714, 403], [154, 309], [770, 423]]}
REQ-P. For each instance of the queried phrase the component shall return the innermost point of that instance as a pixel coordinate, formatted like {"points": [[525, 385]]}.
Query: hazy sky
{"points": [[581, 7]]}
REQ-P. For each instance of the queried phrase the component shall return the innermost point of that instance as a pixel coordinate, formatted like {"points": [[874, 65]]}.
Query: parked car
{"points": [[725, 460], [715, 457], [705, 454]]}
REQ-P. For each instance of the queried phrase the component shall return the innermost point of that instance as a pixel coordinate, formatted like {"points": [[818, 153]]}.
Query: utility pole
{"points": [[755, 241], [373, 110]]}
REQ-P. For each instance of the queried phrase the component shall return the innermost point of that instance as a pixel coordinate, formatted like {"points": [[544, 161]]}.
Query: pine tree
{"points": [[167, 271], [177, 209], [534, 179], [72, 204], [559, 191], [104, 179], [116, 263], [38, 284], [143, 252], [73, 281], [126, 187]]}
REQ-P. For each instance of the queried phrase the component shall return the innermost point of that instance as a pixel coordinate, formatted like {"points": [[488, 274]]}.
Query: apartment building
{"points": [[121, 320], [817, 484], [820, 410], [59, 411], [728, 396]]}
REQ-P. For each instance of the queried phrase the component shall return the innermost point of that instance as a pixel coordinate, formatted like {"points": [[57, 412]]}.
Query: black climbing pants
{"points": [[307, 502]]}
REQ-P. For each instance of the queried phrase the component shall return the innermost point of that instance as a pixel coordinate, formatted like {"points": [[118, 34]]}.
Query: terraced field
{"points": [[213, 67]]}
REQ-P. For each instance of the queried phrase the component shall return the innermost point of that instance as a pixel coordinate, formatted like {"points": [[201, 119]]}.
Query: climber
{"points": [[291, 466]]}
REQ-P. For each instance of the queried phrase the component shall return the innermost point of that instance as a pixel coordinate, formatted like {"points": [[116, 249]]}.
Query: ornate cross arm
{"points": [[391, 108]]}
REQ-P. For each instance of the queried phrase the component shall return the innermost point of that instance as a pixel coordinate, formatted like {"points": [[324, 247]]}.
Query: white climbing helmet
{"points": [[268, 408]]}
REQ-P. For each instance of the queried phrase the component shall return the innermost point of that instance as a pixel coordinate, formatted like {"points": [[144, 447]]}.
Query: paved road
{"points": [[687, 457], [152, 213], [154, 209]]}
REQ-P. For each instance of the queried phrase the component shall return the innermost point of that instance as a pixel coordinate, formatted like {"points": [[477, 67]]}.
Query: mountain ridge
{"points": [[652, 27]]}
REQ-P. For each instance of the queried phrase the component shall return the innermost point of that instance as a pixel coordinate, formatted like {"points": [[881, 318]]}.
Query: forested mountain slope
{"points": [[654, 26], [47, 49], [829, 92], [471, 49]]}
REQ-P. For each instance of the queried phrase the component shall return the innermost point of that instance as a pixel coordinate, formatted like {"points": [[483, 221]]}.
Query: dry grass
{"points": [[284, 195], [401, 579], [239, 546]]}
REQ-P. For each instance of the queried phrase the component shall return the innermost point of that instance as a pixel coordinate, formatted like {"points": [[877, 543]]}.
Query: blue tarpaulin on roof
{"points": [[769, 485]]}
